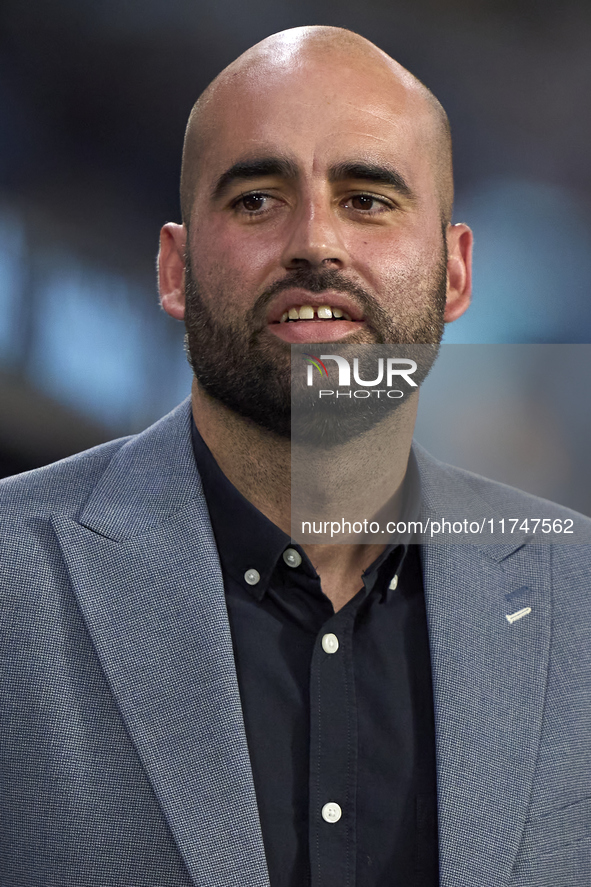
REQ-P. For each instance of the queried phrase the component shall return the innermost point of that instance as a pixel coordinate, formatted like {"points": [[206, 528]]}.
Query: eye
{"points": [[255, 203], [368, 204], [362, 201]]}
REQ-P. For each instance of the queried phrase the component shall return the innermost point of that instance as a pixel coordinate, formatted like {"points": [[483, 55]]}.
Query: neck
{"points": [[357, 478]]}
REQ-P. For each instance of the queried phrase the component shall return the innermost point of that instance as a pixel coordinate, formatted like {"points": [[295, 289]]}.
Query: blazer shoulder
{"points": [[127, 467], [504, 496], [439, 477], [63, 486], [507, 518]]}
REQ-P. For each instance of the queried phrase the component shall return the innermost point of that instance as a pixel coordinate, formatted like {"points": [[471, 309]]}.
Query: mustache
{"points": [[318, 281]]}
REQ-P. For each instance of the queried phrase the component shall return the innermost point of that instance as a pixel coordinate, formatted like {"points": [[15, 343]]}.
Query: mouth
{"points": [[313, 312], [314, 320]]}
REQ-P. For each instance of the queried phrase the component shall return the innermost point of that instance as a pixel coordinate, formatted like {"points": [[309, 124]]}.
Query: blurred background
{"points": [[94, 99]]}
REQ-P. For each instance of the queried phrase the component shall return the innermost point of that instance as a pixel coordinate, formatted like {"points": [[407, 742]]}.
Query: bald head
{"points": [[284, 60]]}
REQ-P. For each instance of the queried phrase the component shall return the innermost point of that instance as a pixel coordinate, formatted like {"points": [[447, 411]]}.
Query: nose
{"points": [[315, 238]]}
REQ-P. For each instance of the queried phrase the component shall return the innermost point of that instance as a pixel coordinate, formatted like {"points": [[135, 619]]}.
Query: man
{"points": [[190, 698]]}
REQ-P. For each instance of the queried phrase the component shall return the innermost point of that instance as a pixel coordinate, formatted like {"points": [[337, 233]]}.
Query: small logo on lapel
{"points": [[513, 617], [517, 592]]}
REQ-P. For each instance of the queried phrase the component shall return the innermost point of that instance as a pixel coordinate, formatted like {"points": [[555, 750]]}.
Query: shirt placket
{"points": [[333, 755]]}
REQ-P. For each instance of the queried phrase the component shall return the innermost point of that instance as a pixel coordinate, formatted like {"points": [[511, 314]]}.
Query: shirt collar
{"points": [[248, 541]]}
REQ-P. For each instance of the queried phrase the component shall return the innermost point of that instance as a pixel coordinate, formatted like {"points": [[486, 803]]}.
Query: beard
{"points": [[239, 364]]}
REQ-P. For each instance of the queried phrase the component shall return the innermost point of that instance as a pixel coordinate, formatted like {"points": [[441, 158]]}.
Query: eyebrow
{"points": [[374, 173], [257, 168]]}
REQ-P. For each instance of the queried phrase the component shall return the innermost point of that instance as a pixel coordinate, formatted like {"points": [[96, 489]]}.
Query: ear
{"points": [[171, 269], [459, 271]]}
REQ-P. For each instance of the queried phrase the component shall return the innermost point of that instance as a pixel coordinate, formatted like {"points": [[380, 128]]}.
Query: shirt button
{"points": [[292, 557], [394, 583], [252, 577], [331, 812], [330, 643]]}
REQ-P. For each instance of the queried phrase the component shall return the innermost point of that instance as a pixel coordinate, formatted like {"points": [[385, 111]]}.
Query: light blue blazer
{"points": [[123, 757]]}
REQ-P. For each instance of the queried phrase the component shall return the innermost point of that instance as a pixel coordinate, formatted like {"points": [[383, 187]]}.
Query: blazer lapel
{"points": [[144, 568], [489, 678]]}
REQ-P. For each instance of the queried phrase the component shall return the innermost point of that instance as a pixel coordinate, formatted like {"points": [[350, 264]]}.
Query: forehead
{"points": [[318, 113]]}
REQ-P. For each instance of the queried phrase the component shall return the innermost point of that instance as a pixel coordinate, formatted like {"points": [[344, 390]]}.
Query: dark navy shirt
{"points": [[338, 707]]}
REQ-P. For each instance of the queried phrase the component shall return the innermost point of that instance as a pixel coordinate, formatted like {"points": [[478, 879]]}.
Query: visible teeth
{"points": [[307, 312]]}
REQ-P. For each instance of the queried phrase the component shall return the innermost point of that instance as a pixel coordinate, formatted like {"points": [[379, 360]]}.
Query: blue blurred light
{"points": [[532, 265], [89, 349], [11, 268]]}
